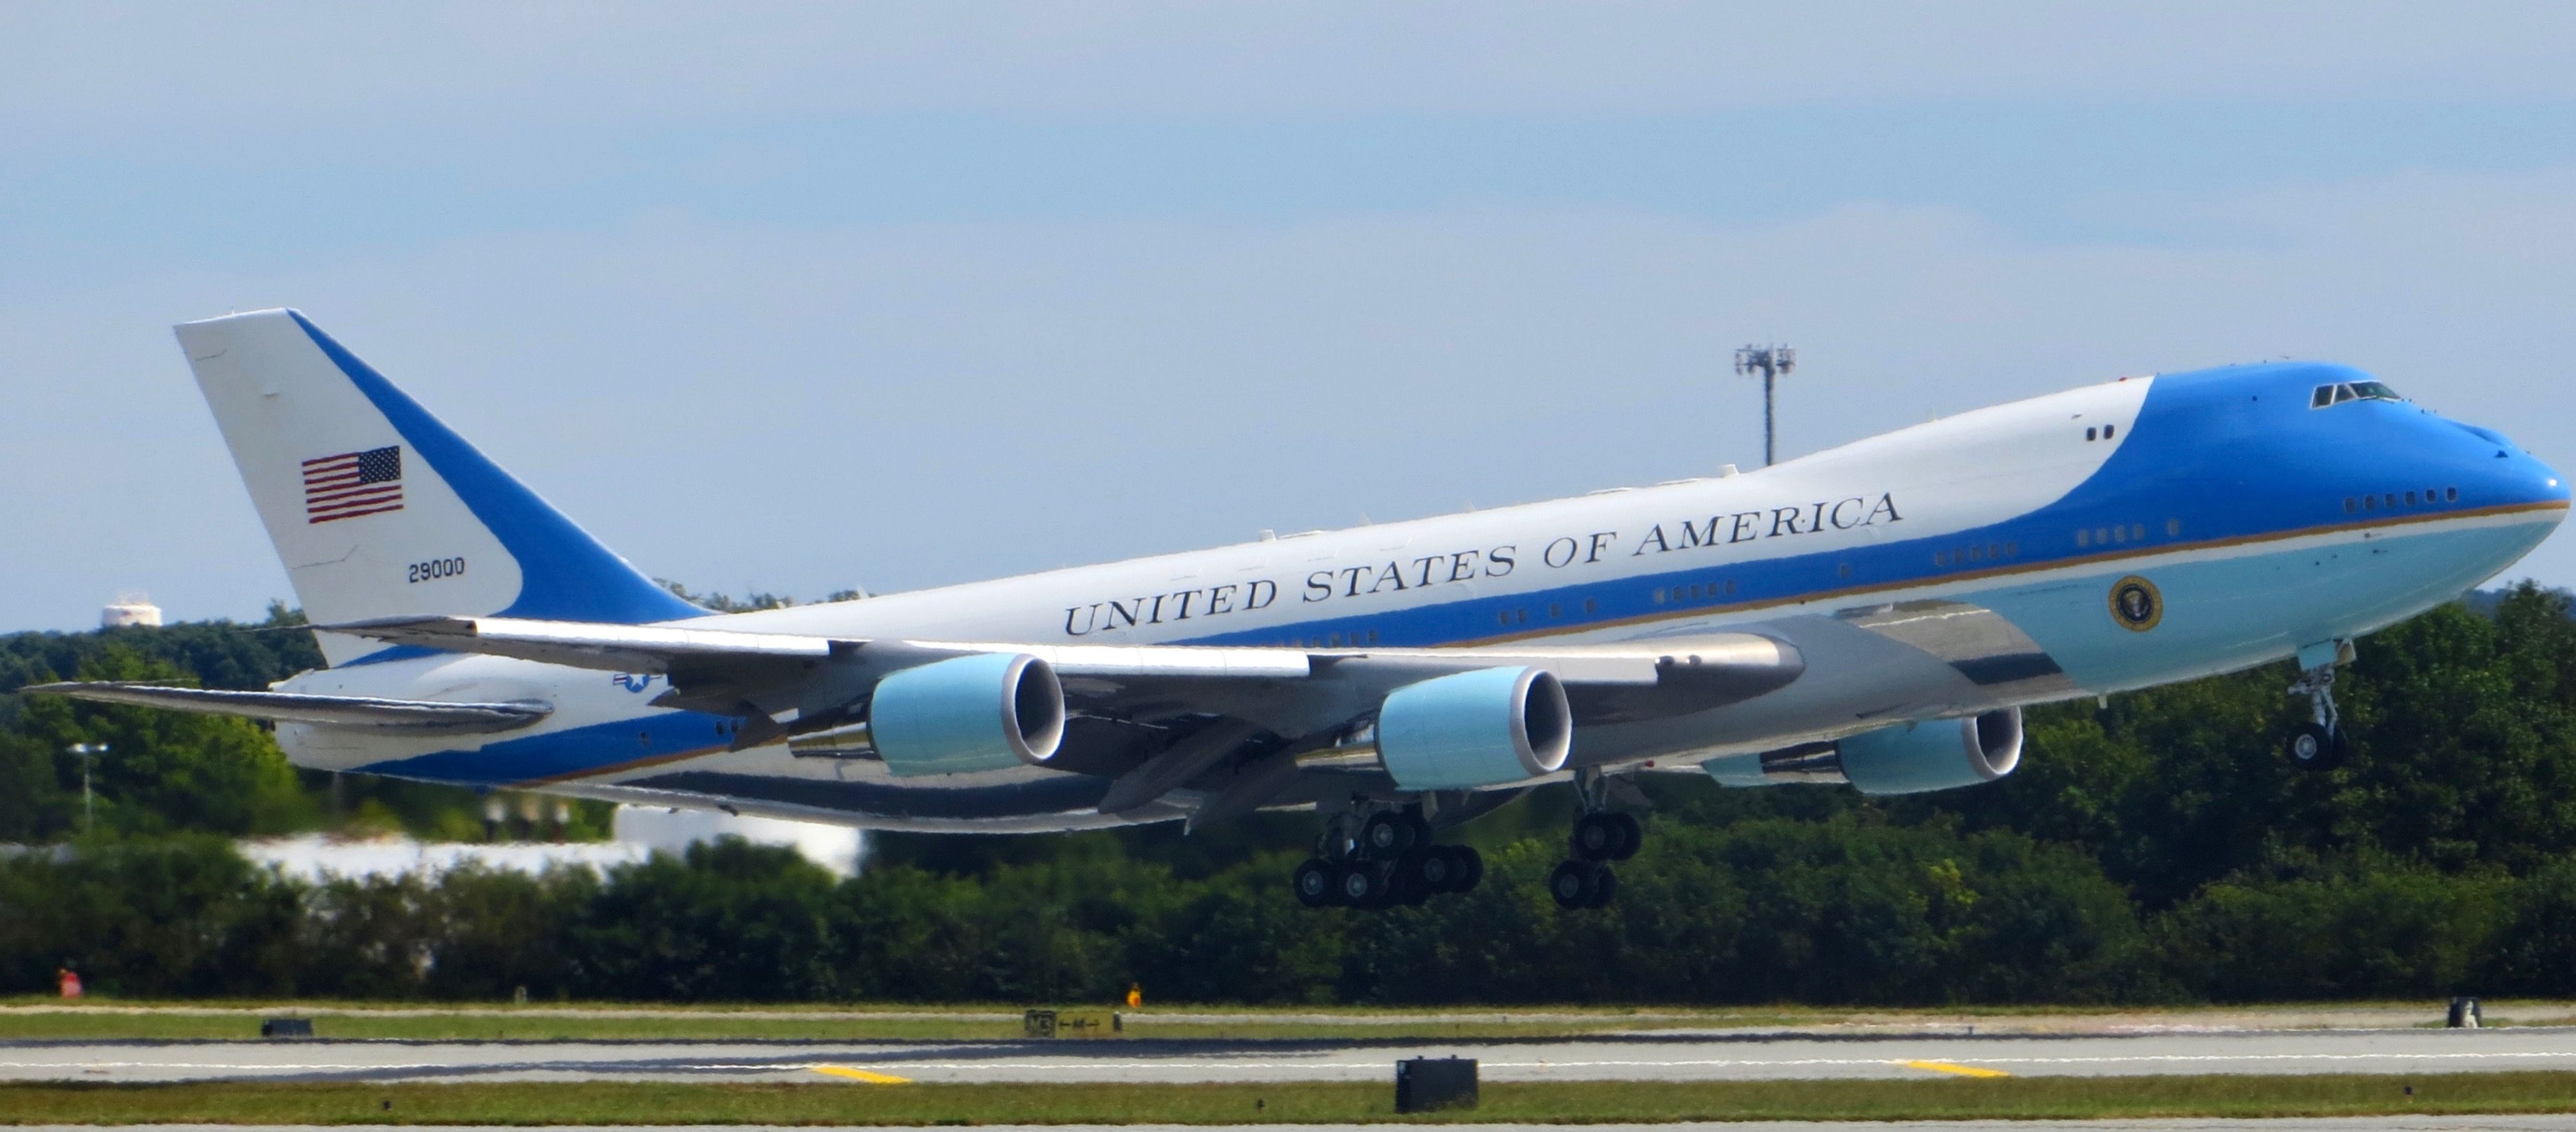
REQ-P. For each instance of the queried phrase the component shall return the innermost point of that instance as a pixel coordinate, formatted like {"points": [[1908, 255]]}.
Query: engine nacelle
{"points": [[1470, 729], [985, 712], [1909, 758]]}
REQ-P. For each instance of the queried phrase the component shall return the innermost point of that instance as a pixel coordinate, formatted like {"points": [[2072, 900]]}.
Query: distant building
{"points": [[129, 609]]}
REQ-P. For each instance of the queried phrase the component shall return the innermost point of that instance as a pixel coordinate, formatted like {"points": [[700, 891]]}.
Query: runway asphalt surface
{"points": [[1701, 1057], [2293, 1124]]}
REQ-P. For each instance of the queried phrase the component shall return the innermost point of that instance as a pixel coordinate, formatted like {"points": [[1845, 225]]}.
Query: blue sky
{"points": [[803, 298]]}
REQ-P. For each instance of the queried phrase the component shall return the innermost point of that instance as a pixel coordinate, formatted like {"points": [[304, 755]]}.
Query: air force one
{"points": [[1877, 614]]}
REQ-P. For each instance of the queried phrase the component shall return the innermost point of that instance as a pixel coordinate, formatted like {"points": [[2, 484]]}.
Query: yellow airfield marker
{"points": [[862, 1075], [1952, 1067]]}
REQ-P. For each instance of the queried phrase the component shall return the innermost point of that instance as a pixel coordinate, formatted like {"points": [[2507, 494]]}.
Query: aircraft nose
{"points": [[2513, 476]]}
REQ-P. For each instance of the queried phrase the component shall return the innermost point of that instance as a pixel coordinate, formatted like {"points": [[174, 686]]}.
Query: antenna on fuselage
{"points": [[1771, 362]]}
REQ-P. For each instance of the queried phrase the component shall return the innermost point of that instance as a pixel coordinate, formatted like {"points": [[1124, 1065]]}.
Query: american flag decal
{"points": [[352, 484]]}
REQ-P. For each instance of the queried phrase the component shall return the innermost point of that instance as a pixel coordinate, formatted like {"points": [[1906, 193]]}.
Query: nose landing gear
{"points": [[2319, 745]]}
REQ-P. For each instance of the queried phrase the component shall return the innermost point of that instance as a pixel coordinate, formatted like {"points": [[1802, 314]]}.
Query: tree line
{"points": [[2154, 849]]}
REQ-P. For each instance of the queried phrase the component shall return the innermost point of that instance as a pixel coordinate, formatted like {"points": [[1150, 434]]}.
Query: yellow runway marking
{"points": [[862, 1075], [1951, 1067]]}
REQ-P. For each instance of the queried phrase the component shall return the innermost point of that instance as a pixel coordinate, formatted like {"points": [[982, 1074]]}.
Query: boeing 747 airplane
{"points": [[1877, 614]]}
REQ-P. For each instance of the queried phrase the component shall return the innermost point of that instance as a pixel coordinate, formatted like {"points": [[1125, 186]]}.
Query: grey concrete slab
{"points": [[1634, 1057]]}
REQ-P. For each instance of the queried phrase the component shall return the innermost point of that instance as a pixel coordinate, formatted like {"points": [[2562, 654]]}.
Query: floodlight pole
{"points": [[1770, 362], [89, 803]]}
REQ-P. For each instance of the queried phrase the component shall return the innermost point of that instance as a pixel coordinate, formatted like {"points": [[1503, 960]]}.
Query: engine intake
{"points": [[985, 712], [1909, 758], [1470, 729]]}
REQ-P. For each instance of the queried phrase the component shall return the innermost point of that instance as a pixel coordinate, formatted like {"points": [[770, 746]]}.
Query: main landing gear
{"points": [[1389, 860], [2319, 744], [1601, 835]]}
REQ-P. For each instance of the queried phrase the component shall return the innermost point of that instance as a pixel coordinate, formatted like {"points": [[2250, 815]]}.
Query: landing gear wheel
{"points": [[1313, 882], [1412, 889], [1605, 884], [2312, 747], [1388, 834], [1581, 884], [1471, 867], [1632, 835], [1365, 884], [1433, 868], [1598, 837]]}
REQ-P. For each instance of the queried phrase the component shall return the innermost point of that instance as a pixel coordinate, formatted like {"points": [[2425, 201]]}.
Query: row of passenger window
{"points": [[1555, 609], [1354, 638], [1696, 591], [1990, 552], [2119, 534], [2353, 505]]}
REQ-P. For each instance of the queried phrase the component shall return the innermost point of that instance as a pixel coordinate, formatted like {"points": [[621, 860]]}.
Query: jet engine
{"points": [[1470, 729], [984, 712], [1909, 758]]}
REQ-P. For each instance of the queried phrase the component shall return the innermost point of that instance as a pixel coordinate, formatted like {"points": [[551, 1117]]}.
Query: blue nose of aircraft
{"points": [[2512, 476]]}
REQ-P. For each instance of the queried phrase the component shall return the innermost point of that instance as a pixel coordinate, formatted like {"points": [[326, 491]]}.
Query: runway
{"points": [[1698, 1057], [2470, 1123]]}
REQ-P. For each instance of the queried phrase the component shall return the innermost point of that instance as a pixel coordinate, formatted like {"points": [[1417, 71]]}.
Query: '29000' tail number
{"points": [[437, 568]]}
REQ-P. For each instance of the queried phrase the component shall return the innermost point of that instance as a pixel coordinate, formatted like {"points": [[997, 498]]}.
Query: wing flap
{"points": [[324, 711]]}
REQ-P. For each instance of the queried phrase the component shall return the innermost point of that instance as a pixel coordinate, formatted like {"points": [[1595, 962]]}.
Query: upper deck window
{"points": [[2352, 391]]}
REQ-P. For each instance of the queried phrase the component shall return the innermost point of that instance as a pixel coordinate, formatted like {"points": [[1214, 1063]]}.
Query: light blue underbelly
{"points": [[2222, 614]]}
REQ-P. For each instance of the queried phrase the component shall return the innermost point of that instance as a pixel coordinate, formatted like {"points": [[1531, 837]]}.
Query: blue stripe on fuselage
{"points": [[2213, 457]]}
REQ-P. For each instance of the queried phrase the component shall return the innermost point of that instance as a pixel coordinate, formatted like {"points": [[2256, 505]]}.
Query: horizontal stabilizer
{"points": [[326, 711]]}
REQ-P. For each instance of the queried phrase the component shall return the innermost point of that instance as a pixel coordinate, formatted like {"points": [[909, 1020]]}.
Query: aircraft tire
{"points": [[2313, 748], [1365, 884], [1596, 837], [1353, 886], [1470, 870], [1432, 868], [1411, 890], [1632, 835], [1572, 883], [1387, 834], [1313, 883], [1604, 884]]}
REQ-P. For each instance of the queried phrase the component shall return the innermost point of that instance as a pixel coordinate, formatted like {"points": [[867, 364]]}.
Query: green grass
{"points": [[2215, 1096]]}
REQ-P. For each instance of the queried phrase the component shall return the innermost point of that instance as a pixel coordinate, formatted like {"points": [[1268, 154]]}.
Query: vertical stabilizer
{"points": [[379, 510]]}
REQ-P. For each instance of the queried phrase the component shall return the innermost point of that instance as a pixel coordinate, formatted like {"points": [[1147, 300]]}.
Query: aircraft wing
{"points": [[1225, 722], [328, 711], [1288, 691]]}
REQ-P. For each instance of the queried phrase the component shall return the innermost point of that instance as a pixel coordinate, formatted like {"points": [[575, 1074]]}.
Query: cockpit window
{"points": [[2352, 391]]}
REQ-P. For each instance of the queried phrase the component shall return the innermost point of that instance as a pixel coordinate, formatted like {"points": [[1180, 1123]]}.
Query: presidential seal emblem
{"points": [[2136, 604]]}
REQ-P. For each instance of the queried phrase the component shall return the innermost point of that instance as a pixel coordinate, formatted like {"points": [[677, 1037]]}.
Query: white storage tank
{"points": [[129, 609]]}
